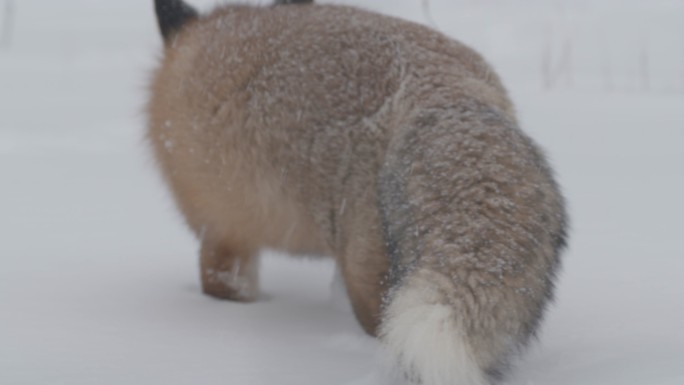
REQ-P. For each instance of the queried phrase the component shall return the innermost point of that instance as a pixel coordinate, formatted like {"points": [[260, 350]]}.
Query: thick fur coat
{"points": [[331, 130]]}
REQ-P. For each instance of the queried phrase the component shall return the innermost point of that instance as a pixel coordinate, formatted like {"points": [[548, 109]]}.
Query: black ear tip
{"points": [[285, 2], [172, 15]]}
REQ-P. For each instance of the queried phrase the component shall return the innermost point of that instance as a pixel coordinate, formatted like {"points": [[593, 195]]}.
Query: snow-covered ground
{"points": [[98, 280]]}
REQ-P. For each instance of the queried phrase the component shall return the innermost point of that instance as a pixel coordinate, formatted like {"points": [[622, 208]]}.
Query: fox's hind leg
{"points": [[364, 277], [364, 267], [229, 272]]}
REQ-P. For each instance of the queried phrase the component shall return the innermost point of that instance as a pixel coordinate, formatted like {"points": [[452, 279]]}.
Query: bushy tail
{"points": [[473, 225], [172, 15]]}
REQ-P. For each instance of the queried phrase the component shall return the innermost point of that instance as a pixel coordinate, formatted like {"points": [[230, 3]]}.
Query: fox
{"points": [[332, 130]]}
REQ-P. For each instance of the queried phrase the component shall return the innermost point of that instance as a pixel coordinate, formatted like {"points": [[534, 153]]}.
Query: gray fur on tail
{"points": [[172, 15], [475, 226]]}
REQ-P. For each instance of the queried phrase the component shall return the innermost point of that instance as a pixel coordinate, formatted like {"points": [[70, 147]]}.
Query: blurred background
{"points": [[98, 280]]}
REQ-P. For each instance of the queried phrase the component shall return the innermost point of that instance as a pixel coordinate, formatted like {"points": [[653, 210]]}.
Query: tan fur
{"points": [[330, 130]]}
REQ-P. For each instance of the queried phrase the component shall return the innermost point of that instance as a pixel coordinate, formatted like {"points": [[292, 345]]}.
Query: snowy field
{"points": [[98, 276]]}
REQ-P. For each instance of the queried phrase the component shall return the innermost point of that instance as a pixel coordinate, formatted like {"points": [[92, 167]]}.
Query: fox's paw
{"points": [[236, 284]]}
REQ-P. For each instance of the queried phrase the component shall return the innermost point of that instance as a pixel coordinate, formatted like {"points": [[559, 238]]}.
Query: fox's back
{"points": [[311, 86], [318, 64]]}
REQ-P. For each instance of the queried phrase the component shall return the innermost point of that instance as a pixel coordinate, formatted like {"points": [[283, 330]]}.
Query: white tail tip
{"points": [[424, 341]]}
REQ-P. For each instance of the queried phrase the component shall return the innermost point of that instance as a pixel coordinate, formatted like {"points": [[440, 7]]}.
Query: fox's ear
{"points": [[285, 2], [172, 15]]}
